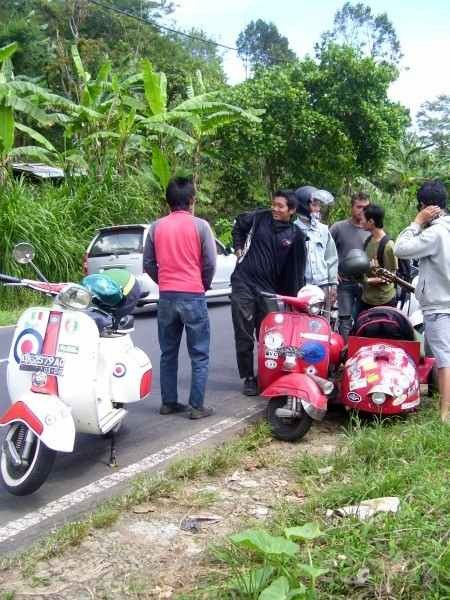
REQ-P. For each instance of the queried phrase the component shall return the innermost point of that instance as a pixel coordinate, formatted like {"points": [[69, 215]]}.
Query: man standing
{"points": [[380, 250], [428, 239], [271, 258], [321, 255], [180, 256], [348, 235]]}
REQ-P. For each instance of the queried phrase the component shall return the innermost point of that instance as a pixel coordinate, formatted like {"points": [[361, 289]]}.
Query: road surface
{"points": [[79, 481]]}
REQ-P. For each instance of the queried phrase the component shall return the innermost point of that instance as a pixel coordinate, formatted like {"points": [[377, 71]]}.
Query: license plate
{"points": [[51, 365]]}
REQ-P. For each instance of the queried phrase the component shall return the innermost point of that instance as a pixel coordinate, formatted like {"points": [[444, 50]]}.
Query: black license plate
{"points": [[51, 365]]}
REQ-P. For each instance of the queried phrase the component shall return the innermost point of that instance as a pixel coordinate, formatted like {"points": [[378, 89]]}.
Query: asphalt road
{"points": [[144, 434]]}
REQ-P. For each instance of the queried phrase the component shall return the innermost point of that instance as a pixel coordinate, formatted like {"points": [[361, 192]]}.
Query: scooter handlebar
{"points": [[9, 279]]}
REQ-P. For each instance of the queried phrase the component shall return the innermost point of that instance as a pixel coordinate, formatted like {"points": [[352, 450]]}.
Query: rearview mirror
{"points": [[23, 253]]}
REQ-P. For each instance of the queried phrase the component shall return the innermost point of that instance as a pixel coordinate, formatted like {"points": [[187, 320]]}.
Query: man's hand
{"points": [[238, 253], [427, 214], [333, 295]]}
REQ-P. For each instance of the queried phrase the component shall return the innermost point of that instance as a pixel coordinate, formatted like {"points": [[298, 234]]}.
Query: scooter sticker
{"points": [[68, 349], [312, 352], [315, 325], [410, 404], [29, 341], [373, 378], [353, 397], [119, 370], [271, 364], [71, 326], [279, 318], [358, 383], [271, 354]]}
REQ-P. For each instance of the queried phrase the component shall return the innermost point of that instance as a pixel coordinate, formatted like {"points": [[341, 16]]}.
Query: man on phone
{"points": [[427, 238]]}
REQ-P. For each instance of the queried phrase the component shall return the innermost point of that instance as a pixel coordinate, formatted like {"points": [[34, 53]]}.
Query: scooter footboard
{"points": [[303, 387], [49, 418]]}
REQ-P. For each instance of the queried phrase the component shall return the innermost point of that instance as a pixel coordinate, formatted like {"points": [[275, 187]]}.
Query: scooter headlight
{"points": [[314, 309], [74, 296], [378, 398]]}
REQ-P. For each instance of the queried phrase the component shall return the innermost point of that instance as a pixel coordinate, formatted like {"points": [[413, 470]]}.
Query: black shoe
{"points": [[250, 386], [201, 413], [169, 409]]}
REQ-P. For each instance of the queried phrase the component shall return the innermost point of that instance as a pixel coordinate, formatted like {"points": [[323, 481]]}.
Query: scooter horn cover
{"points": [[105, 289], [355, 264]]}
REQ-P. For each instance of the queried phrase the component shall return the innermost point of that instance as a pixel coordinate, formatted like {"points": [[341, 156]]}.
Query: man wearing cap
{"points": [[322, 258]]}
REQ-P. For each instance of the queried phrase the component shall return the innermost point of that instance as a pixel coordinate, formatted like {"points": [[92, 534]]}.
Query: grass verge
{"points": [[143, 489], [389, 556]]}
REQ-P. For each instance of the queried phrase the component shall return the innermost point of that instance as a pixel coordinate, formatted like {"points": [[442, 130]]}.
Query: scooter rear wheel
{"points": [[27, 478], [289, 429]]}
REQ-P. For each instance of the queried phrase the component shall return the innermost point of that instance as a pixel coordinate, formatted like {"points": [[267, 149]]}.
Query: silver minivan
{"points": [[123, 246]]}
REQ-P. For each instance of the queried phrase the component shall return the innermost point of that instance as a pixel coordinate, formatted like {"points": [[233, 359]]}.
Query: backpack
{"points": [[404, 268]]}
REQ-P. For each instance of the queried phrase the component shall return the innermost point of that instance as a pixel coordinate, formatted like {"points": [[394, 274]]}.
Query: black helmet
{"points": [[304, 196], [355, 264]]}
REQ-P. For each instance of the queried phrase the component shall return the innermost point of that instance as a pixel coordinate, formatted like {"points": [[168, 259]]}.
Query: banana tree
{"points": [[20, 97], [192, 123]]}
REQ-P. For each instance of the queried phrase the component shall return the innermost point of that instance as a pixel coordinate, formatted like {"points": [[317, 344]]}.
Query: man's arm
{"points": [[209, 253], [241, 228], [332, 260], [150, 263], [415, 242]]}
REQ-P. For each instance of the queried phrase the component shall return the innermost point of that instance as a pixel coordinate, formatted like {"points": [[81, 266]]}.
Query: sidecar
{"points": [[384, 367]]}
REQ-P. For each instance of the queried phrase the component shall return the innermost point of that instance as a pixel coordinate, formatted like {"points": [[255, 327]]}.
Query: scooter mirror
{"points": [[23, 253]]}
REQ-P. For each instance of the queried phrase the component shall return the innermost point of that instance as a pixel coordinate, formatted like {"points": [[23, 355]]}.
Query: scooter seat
{"points": [[384, 322]]}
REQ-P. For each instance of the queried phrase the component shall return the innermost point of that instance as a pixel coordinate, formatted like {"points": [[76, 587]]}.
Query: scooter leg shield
{"points": [[47, 416], [303, 387]]}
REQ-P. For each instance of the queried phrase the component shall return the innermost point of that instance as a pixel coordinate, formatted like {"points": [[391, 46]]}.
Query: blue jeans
{"points": [[178, 310]]}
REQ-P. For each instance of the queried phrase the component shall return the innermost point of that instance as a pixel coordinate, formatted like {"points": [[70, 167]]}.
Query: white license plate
{"points": [[51, 365]]}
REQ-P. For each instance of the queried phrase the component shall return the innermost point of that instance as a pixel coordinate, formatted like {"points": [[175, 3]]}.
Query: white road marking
{"points": [[32, 519], [2, 360]]}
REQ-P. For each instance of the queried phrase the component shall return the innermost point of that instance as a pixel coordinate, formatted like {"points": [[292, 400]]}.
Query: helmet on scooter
{"points": [[103, 289], [355, 264]]}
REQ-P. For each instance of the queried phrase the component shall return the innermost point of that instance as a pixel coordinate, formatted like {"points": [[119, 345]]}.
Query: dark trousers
{"points": [[178, 311], [348, 297], [247, 311]]}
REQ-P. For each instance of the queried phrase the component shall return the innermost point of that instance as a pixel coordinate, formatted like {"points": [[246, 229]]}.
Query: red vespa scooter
{"points": [[297, 352]]}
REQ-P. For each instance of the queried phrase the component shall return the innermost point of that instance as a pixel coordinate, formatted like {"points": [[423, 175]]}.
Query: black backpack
{"points": [[404, 268]]}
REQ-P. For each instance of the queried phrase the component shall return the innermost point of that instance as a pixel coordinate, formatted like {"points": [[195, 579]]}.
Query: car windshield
{"points": [[125, 241]]}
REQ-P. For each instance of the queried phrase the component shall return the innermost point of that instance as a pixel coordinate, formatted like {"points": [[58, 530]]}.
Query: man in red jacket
{"points": [[180, 256]]}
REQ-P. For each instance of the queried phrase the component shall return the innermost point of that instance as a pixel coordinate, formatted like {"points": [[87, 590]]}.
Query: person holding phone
{"points": [[427, 238]]}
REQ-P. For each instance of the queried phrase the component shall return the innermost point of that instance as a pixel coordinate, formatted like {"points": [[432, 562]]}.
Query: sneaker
{"points": [[250, 386], [201, 413], [169, 409]]}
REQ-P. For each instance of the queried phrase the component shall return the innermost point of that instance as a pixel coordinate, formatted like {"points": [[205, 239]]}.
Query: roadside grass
{"points": [[389, 556], [144, 488], [10, 317]]}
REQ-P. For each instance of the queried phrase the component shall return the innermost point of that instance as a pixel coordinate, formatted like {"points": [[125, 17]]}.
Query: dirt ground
{"points": [[159, 550]]}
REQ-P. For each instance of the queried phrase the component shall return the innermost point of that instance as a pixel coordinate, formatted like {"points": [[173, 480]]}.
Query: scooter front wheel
{"points": [[287, 429], [36, 461]]}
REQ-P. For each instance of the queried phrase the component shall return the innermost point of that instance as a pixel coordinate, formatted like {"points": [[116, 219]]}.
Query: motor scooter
{"points": [[303, 365], [298, 356], [65, 375]]}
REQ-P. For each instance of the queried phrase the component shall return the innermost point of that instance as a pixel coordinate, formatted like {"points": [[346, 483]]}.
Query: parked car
{"points": [[123, 246]]}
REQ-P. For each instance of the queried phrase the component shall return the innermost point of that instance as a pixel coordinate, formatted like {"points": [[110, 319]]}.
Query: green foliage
{"points": [[434, 124], [263, 46], [357, 27]]}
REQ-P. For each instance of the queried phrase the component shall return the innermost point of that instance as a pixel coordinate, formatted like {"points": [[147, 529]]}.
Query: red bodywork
{"points": [[308, 337], [392, 367]]}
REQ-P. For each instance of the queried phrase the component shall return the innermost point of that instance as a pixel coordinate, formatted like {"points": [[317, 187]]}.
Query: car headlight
{"points": [[74, 296], [315, 308], [378, 398]]}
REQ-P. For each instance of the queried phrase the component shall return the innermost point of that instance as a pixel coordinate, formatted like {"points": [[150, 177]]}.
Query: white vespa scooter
{"points": [[64, 376]]}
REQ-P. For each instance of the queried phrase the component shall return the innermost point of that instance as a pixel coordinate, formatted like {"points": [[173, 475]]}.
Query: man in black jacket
{"points": [[271, 255]]}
